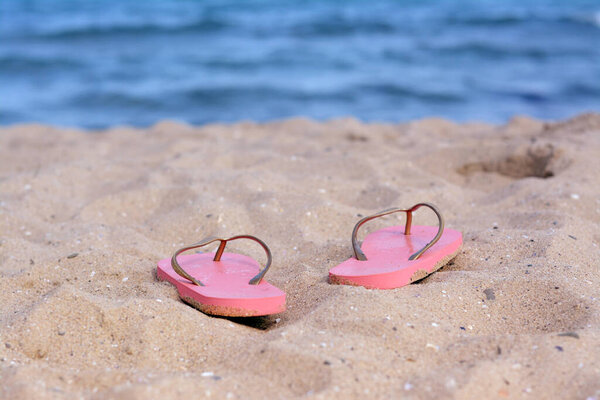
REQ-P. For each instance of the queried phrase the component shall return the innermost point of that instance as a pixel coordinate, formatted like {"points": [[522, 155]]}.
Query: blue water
{"points": [[99, 63]]}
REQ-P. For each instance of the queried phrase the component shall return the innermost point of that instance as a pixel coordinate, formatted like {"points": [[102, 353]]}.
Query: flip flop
{"points": [[225, 284], [388, 259]]}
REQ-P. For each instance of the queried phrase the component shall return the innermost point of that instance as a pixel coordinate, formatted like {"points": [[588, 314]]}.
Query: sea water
{"points": [[98, 63]]}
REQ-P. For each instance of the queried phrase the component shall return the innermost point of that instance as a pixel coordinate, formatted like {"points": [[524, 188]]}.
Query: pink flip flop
{"points": [[389, 257], [225, 284]]}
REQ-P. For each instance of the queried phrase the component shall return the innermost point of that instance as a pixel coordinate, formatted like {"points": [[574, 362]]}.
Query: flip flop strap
{"points": [[223, 242], [358, 253]]}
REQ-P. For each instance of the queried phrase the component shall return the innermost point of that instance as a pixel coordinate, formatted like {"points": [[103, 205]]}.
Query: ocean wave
{"points": [[526, 17], [237, 94], [336, 26], [113, 100], [272, 60], [487, 19], [404, 92], [26, 64], [230, 95], [491, 50], [92, 31], [580, 89], [515, 92]]}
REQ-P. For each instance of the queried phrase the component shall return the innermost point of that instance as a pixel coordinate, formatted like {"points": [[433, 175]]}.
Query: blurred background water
{"points": [[97, 63]]}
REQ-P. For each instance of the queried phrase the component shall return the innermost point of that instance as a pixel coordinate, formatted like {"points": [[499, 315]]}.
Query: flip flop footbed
{"points": [[226, 290], [387, 251]]}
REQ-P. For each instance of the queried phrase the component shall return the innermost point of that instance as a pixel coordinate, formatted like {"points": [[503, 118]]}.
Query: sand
{"points": [[85, 216]]}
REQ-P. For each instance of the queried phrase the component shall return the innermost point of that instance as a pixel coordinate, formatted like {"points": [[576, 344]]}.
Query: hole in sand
{"points": [[355, 137], [537, 160]]}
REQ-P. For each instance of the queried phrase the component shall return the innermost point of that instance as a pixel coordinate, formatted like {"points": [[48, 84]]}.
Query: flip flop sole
{"points": [[226, 291], [387, 251]]}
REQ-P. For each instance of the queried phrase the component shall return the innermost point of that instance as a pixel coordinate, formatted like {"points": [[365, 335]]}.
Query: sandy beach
{"points": [[85, 216]]}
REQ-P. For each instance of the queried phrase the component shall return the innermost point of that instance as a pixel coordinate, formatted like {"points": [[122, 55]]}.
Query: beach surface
{"points": [[85, 217]]}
